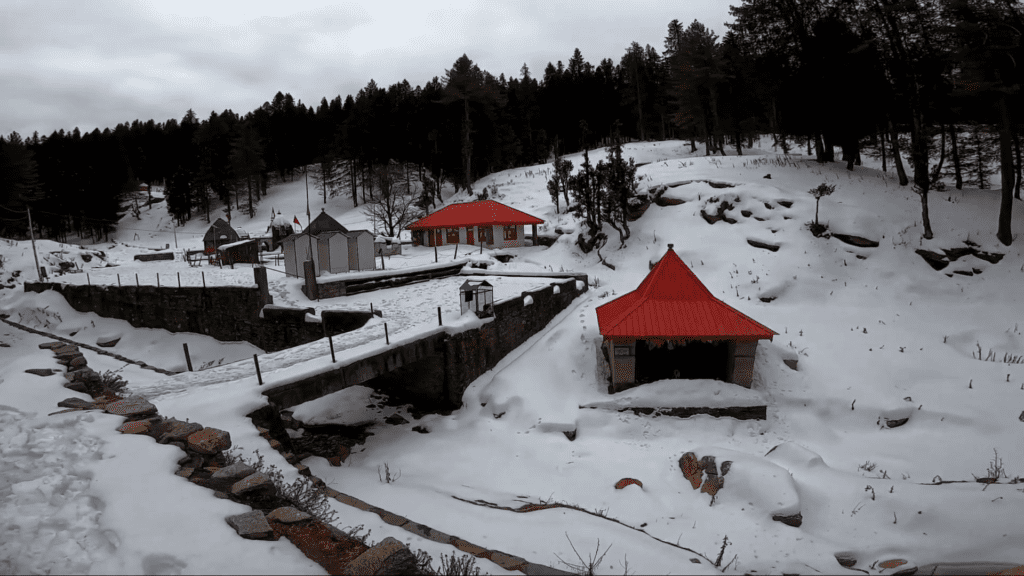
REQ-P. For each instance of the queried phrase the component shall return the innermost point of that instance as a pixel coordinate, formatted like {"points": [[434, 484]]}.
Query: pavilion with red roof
{"points": [[672, 327], [486, 221]]}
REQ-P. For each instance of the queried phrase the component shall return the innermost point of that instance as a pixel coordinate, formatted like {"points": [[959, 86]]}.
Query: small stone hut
{"points": [[220, 233], [672, 327], [486, 221]]}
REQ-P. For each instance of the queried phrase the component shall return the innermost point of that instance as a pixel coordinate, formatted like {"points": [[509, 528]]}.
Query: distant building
{"points": [[280, 228], [484, 222], [387, 246], [672, 327], [220, 233], [332, 248]]}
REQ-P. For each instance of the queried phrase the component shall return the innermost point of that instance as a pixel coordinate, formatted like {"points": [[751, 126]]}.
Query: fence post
{"points": [[371, 308], [439, 316], [179, 279], [157, 279], [258, 375], [204, 280], [188, 359], [435, 253], [87, 281], [456, 251], [387, 340], [137, 280], [118, 280]]}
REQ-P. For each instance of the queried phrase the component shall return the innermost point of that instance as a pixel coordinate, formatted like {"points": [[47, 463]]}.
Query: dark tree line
{"points": [[936, 80]]}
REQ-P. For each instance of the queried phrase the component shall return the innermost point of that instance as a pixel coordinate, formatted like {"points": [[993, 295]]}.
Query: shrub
{"points": [[304, 494]]}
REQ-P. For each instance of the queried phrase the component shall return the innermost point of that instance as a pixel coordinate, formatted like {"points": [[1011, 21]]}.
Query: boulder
{"points": [[846, 559], [395, 420], [794, 520], [258, 483], [77, 387], [252, 525], [108, 342], [77, 362], [626, 482], [234, 472], [75, 403], [288, 515], [209, 441], [173, 430], [389, 556], [132, 406], [691, 469], [41, 371]]}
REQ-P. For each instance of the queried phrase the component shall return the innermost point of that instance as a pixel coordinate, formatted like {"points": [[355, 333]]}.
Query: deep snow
{"points": [[881, 337]]}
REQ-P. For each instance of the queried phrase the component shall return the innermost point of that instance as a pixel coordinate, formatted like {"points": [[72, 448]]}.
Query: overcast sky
{"points": [[95, 63]]}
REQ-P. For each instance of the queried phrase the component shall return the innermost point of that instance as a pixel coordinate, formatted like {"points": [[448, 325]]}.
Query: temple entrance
{"points": [[696, 359]]}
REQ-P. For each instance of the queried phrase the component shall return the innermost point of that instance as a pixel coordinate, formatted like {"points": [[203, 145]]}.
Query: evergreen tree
{"points": [[247, 159], [559, 183], [619, 188]]}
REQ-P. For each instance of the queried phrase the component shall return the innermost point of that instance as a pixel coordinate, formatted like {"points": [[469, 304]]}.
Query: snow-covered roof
{"points": [[233, 244]]}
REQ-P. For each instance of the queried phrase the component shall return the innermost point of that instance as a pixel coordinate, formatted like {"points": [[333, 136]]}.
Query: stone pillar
{"points": [[261, 282], [309, 273]]}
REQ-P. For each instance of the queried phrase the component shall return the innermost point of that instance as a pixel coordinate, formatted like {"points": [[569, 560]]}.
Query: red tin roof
{"points": [[481, 213], [672, 303]]}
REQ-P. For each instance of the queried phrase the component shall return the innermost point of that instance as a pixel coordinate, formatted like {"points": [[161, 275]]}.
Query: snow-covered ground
{"points": [[881, 337]]}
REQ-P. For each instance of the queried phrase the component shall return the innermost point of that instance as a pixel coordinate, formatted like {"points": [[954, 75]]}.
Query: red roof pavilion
{"points": [[671, 303], [481, 213]]}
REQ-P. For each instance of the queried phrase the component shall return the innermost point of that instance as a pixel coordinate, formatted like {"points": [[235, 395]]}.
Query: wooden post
{"points": [[387, 340], [330, 341], [481, 247], [382, 259], [179, 279], [188, 359], [137, 280], [371, 308], [118, 280], [258, 375], [435, 253], [204, 280], [88, 283], [157, 279], [456, 251], [439, 316]]}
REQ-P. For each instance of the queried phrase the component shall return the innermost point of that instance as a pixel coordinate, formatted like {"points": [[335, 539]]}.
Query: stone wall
{"points": [[471, 353], [227, 313], [338, 288]]}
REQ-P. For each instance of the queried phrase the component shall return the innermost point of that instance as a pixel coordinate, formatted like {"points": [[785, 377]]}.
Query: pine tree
{"points": [[247, 158], [559, 183], [620, 187]]}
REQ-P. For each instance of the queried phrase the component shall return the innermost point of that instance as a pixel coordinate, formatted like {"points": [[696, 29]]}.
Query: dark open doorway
{"points": [[694, 360]]}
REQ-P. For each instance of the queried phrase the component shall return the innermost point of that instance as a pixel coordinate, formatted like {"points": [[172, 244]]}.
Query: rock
{"points": [[173, 430], [895, 423], [108, 342], [786, 203], [258, 482], [767, 177], [51, 345], [137, 427], [275, 444], [791, 363], [133, 406], [669, 201], [846, 559], [334, 460], [691, 469], [75, 403], [252, 525], [303, 469], [41, 371], [234, 472], [1021, 417], [77, 387], [209, 441], [766, 246], [395, 420], [344, 452], [389, 556], [934, 259], [991, 257], [794, 520], [65, 350], [570, 434], [887, 564], [626, 482], [221, 495], [707, 464], [712, 484], [288, 515], [185, 472], [178, 444], [856, 240], [420, 429], [77, 362], [82, 375], [726, 466], [746, 213], [508, 562]]}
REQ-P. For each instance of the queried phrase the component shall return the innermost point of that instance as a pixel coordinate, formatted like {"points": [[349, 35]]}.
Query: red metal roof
{"points": [[481, 213], [672, 303]]}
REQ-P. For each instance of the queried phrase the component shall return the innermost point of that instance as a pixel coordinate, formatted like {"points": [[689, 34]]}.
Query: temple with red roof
{"points": [[484, 222], [672, 327]]}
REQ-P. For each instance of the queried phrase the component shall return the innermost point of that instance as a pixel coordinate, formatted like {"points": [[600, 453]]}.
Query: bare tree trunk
{"points": [[919, 140], [808, 145], [942, 155], [739, 143], [693, 143], [881, 141], [956, 158], [1016, 147], [897, 160], [819, 149], [1004, 234]]}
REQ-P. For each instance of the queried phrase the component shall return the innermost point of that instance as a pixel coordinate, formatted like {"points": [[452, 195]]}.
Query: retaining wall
{"points": [[227, 313]]}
